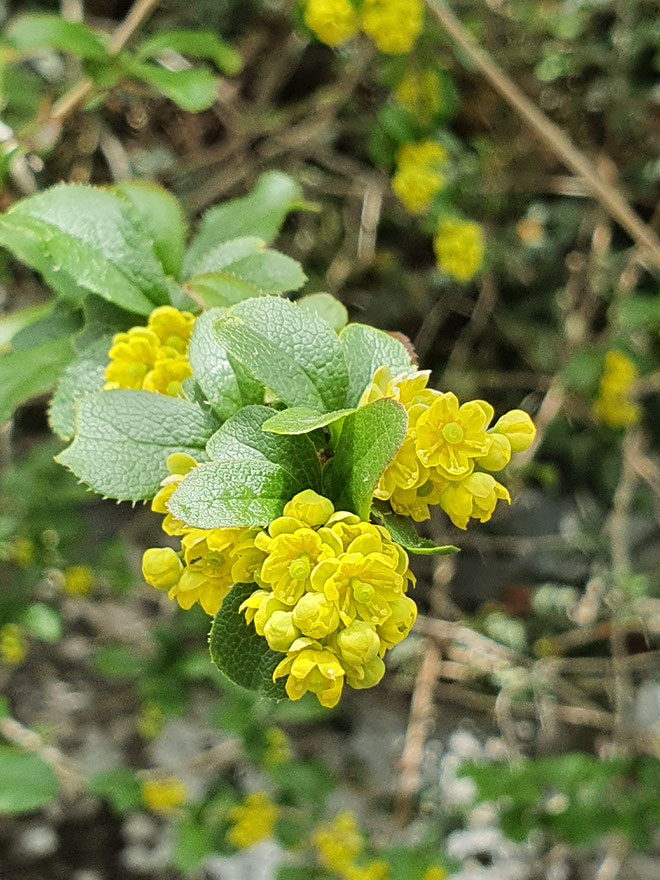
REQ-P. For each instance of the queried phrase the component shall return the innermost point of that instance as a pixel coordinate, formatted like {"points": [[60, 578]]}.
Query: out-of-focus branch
{"points": [[609, 196]]}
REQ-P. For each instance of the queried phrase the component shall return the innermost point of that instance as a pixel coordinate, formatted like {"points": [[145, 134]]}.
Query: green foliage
{"points": [[403, 532], [25, 374], [161, 216], [123, 439], [119, 787], [365, 350], [30, 32], [301, 420], [26, 782], [194, 44], [237, 650]]}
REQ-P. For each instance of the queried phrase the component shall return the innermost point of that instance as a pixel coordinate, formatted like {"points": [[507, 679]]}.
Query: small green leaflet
{"points": [[403, 532], [25, 374], [196, 44], [250, 262], [301, 420], [222, 494], [193, 90], [260, 214], [370, 438], [26, 782], [236, 649], [365, 350], [30, 32], [219, 289], [160, 214], [325, 306], [296, 355], [214, 372], [243, 437], [123, 439]]}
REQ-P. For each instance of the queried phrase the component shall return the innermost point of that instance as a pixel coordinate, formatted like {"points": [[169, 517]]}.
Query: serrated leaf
{"points": [[227, 252], [214, 371], [260, 214], [370, 438], [218, 289], [365, 349], [195, 44], [26, 374], [326, 307], [243, 437], [403, 531], [161, 215], [297, 355], [269, 271], [123, 439], [85, 375], [223, 494], [301, 420], [238, 652], [192, 90], [26, 782], [30, 32], [90, 235]]}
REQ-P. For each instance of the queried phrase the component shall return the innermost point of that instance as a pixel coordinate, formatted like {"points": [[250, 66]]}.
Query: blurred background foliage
{"points": [[124, 753]]}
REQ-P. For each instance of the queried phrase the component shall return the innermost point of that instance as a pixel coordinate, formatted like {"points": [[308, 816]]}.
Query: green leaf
{"points": [[30, 32], [14, 322], [249, 262], [161, 216], [119, 787], [26, 374], [214, 371], [301, 420], [403, 532], [243, 437], [297, 355], [26, 782], [43, 623], [123, 439], [370, 438], [193, 843], [218, 289], [195, 44], [327, 307], [192, 90], [366, 349], [260, 214], [85, 375], [90, 235], [236, 649], [225, 253], [60, 322], [233, 493]]}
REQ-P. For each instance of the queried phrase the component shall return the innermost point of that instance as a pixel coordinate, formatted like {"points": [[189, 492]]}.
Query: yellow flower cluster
{"points": [[152, 358], [252, 821], [333, 21], [211, 561], [459, 248], [163, 795], [78, 580], [613, 405], [332, 597], [419, 175], [339, 844], [444, 443], [420, 92], [435, 873], [393, 25], [13, 645]]}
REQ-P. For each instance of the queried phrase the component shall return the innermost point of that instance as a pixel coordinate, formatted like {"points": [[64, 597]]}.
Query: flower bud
{"points": [[180, 463], [366, 676], [280, 631], [315, 616], [518, 428], [161, 567], [310, 508], [499, 454], [403, 613], [358, 643]]}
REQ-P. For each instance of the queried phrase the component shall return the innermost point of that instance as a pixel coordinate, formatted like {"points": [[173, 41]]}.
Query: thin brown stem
{"points": [[609, 196]]}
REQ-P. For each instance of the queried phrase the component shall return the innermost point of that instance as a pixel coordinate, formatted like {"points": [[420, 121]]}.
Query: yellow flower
{"points": [[281, 631], [393, 25], [161, 567], [78, 580], [415, 502], [421, 92], [435, 873], [367, 675], [419, 176], [476, 496], [252, 821], [163, 795], [339, 844], [278, 748], [449, 437], [195, 586], [310, 667], [13, 645], [395, 628], [315, 616], [358, 643], [332, 21], [152, 358], [372, 871], [459, 248], [22, 552], [517, 427], [613, 405]]}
